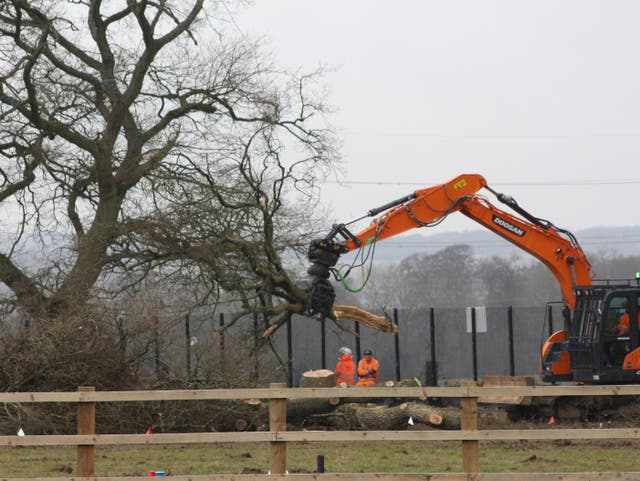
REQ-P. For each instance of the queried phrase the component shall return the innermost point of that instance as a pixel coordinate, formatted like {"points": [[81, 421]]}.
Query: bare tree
{"points": [[154, 139]]}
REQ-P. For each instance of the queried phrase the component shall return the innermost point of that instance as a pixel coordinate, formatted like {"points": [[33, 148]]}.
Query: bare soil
{"points": [[498, 417], [624, 416]]}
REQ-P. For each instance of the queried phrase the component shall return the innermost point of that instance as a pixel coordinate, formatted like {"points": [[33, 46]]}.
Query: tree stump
{"points": [[318, 378]]}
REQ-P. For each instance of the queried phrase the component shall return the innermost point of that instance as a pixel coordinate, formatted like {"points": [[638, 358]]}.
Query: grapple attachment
{"points": [[324, 255]]}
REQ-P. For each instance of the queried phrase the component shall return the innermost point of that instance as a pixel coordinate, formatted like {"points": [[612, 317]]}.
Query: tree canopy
{"points": [[150, 137]]}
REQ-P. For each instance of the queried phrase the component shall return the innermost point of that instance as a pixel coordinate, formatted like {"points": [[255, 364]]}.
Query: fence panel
{"points": [[277, 436]]}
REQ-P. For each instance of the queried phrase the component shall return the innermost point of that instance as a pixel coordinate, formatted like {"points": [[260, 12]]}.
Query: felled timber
{"points": [[299, 410], [355, 416], [255, 417], [380, 323]]}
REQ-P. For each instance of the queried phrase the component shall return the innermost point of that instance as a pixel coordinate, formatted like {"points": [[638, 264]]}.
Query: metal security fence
{"points": [[433, 345]]}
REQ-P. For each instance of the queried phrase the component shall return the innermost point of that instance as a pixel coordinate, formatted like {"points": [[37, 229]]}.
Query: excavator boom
{"points": [[556, 248], [424, 207], [562, 254]]}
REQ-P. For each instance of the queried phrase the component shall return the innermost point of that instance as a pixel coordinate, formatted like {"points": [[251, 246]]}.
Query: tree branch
{"points": [[26, 291]]}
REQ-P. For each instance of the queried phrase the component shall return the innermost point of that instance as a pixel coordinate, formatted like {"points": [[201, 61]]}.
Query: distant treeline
{"points": [[455, 276]]}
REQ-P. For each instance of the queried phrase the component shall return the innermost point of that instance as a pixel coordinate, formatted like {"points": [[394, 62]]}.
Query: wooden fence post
{"points": [[86, 425], [278, 422], [469, 421]]}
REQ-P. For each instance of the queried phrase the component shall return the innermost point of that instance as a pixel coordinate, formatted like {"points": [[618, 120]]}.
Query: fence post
{"points": [[323, 343], [221, 320], [187, 343], [512, 358], [474, 345], [396, 338], [278, 422], [432, 336], [86, 425], [469, 421], [256, 349], [289, 354]]}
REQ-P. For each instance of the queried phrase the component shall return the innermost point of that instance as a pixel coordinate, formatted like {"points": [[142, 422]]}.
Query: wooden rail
{"points": [[87, 439]]}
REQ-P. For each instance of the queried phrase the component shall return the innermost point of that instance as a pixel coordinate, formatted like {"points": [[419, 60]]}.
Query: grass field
{"points": [[522, 456]]}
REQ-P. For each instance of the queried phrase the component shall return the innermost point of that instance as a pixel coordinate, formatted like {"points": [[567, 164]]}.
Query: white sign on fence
{"points": [[481, 319]]}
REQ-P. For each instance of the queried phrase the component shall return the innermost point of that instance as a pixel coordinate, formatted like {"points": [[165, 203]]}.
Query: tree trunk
{"points": [[355, 416], [442, 418], [299, 410]]}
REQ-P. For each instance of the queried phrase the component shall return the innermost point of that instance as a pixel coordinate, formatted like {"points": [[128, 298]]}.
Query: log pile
{"points": [[341, 413], [335, 413]]}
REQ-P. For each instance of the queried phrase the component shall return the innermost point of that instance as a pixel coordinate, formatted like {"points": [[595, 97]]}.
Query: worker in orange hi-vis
{"points": [[345, 368], [623, 323], [368, 369]]}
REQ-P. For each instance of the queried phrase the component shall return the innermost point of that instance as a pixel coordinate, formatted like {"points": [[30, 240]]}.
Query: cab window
{"points": [[614, 311]]}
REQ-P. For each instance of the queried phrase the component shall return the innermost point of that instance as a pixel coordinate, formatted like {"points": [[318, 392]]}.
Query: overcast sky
{"points": [[540, 97]]}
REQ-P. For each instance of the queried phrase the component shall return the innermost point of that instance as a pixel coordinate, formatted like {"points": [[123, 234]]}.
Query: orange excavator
{"points": [[590, 348]]}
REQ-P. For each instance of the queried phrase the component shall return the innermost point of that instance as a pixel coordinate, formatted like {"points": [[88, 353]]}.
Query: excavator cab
{"points": [[598, 345]]}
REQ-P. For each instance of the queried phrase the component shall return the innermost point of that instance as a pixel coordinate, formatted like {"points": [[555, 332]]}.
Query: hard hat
{"points": [[345, 350], [368, 352]]}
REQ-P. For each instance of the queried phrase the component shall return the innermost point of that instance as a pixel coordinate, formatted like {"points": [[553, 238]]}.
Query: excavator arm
{"points": [[556, 248]]}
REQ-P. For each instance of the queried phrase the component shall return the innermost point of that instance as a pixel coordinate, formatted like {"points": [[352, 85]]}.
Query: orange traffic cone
{"points": [[552, 420], [149, 431]]}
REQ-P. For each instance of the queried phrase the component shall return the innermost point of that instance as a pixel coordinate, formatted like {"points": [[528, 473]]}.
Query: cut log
{"points": [[443, 418], [380, 323], [298, 410], [318, 378], [434, 419], [358, 416], [237, 415]]}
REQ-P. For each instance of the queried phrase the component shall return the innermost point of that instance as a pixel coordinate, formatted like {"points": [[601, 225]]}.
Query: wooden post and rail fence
{"points": [[87, 440]]}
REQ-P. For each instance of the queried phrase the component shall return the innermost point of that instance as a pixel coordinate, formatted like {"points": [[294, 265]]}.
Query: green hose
{"points": [[342, 280]]}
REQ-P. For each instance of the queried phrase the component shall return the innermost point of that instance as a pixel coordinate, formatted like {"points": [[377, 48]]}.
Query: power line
{"points": [[481, 244], [546, 183], [425, 135]]}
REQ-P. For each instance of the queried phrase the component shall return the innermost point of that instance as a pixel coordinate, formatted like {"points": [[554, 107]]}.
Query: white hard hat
{"points": [[345, 350]]}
